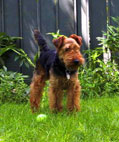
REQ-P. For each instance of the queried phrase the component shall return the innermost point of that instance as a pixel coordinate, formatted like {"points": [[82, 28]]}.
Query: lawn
{"points": [[98, 121]]}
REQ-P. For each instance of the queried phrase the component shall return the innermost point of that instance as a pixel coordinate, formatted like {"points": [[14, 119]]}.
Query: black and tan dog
{"points": [[60, 66]]}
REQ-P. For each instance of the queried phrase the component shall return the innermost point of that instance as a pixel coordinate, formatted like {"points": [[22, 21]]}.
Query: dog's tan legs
{"points": [[73, 97], [55, 99], [36, 89]]}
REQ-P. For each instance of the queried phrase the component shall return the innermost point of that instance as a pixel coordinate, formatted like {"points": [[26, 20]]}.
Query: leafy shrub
{"points": [[110, 39], [12, 87], [98, 78], [8, 44]]}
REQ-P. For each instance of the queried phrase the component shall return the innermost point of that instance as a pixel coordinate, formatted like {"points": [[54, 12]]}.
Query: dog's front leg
{"points": [[73, 97], [55, 98]]}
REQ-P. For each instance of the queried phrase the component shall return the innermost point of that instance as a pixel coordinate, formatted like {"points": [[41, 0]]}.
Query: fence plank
{"points": [[85, 23], [11, 27], [114, 12], [1, 15], [66, 17], [29, 23], [97, 20], [78, 12], [48, 18], [113, 9], [20, 18]]}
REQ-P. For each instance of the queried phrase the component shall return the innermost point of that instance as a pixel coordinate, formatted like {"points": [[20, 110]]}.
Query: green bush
{"points": [[12, 87], [8, 45], [110, 39], [98, 78]]}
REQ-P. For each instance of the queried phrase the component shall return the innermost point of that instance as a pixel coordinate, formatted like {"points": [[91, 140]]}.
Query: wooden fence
{"points": [[87, 18]]}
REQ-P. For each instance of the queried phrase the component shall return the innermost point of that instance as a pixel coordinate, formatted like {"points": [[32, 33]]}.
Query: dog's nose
{"points": [[76, 61]]}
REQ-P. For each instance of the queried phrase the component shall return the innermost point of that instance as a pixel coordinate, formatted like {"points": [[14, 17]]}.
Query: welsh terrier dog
{"points": [[60, 66]]}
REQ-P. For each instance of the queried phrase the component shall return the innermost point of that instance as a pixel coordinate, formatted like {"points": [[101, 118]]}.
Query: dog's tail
{"points": [[40, 41]]}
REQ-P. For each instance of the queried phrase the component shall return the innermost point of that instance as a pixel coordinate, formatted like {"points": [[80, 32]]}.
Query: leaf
{"points": [[55, 35], [36, 57], [5, 68], [21, 63], [3, 50], [16, 58], [16, 38], [26, 64]]}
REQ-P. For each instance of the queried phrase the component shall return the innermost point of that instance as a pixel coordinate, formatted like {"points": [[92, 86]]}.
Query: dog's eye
{"points": [[67, 49]]}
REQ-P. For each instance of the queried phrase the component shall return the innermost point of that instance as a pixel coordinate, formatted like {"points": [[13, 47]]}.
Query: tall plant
{"points": [[110, 39], [8, 44]]}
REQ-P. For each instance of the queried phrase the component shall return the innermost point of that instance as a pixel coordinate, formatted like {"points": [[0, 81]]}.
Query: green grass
{"points": [[98, 121]]}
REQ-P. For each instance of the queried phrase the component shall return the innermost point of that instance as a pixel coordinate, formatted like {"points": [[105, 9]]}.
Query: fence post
{"points": [[98, 20]]}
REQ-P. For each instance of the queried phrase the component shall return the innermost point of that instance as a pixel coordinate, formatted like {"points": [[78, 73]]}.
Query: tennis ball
{"points": [[41, 117]]}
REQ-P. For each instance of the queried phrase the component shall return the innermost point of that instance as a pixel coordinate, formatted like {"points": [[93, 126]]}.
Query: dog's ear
{"points": [[77, 38], [58, 42]]}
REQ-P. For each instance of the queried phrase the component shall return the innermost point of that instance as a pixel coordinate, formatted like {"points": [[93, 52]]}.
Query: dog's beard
{"points": [[69, 65], [72, 67]]}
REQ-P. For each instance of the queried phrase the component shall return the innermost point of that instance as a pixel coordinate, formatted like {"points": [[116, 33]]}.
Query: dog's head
{"points": [[68, 50]]}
